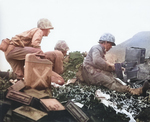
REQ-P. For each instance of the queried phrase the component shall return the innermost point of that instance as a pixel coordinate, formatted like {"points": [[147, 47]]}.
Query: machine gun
{"points": [[134, 56]]}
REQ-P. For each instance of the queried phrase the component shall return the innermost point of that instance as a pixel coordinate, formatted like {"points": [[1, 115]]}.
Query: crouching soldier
{"points": [[96, 70], [25, 43], [57, 57]]}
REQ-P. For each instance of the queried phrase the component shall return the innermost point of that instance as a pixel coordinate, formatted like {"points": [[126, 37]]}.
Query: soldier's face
{"points": [[46, 32], [108, 46], [64, 53]]}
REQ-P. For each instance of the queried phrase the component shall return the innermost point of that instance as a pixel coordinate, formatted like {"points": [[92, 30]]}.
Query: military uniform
{"points": [[56, 57], [24, 43], [20, 45], [98, 72]]}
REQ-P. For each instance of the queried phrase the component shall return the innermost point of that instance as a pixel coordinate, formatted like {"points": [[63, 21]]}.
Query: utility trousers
{"points": [[102, 78], [16, 58]]}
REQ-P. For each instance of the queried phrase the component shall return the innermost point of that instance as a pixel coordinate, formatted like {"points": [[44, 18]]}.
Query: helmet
{"points": [[61, 45], [108, 37], [44, 24]]}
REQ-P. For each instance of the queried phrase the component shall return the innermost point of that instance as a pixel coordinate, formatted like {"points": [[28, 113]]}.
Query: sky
{"points": [[79, 22]]}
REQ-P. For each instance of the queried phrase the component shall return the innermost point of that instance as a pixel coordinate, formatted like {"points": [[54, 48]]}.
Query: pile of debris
{"points": [[96, 110], [70, 102], [81, 95], [21, 104]]}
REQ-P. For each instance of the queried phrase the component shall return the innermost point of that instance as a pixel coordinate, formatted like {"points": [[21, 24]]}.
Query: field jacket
{"points": [[95, 60], [30, 38]]}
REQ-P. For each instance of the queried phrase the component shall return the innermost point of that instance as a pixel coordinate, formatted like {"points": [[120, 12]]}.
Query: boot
{"points": [[7, 75], [146, 86], [140, 91], [4, 74], [136, 91]]}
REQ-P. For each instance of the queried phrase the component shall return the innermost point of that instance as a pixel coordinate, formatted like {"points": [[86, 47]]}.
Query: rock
{"points": [[144, 115], [117, 53]]}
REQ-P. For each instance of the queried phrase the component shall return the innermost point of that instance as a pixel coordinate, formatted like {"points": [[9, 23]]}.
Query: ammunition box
{"points": [[28, 114], [132, 74], [52, 105], [43, 107], [130, 65], [76, 112], [19, 97], [17, 86], [26, 100], [36, 93], [135, 54]]}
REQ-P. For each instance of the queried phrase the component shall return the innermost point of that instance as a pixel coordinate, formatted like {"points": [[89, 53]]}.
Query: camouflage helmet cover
{"points": [[61, 45], [44, 24], [108, 37]]}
